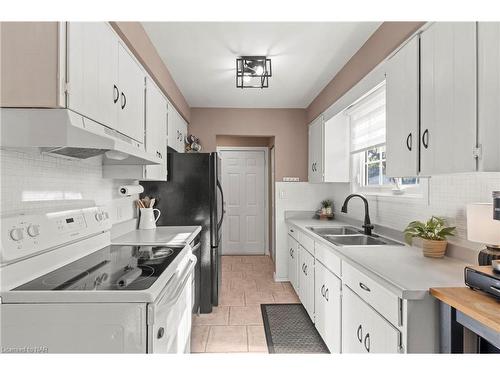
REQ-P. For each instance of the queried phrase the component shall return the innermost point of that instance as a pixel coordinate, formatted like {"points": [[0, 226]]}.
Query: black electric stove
{"points": [[111, 268]]}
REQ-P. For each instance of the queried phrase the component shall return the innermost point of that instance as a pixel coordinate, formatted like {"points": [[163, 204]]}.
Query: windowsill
{"points": [[390, 194]]}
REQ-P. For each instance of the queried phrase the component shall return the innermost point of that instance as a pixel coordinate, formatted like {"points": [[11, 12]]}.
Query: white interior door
{"points": [[243, 182]]}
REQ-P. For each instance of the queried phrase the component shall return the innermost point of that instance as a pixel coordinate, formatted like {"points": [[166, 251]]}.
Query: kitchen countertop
{"points": [[402, 269], [164, 235], [477, 305]]}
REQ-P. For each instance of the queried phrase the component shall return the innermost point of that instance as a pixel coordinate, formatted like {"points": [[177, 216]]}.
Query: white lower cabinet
{"points": [[364, 330], [327, 306], [306, 280], [293, 262]]}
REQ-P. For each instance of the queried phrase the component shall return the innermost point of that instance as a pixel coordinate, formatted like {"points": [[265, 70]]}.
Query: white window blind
{"points": [[367, 120]]}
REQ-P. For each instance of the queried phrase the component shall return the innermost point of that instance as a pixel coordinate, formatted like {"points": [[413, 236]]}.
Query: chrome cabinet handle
{"points": [[359, 333], [366, 342], [291, 230], [305, 270], [364, 287], [327, 296], [323, 290], [160, 333]]}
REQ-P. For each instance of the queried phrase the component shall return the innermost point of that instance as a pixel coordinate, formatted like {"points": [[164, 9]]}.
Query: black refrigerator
{"points": [[192, 195]]}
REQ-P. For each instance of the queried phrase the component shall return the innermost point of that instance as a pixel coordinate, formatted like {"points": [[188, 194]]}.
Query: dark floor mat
{"points": [[290, 330]]}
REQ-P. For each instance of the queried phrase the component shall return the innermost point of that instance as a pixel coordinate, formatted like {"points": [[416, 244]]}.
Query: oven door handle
{"points": [[182, 284]]}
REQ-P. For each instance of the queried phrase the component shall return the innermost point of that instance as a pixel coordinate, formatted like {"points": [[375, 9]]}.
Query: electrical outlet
{"points": [[291, 179]]}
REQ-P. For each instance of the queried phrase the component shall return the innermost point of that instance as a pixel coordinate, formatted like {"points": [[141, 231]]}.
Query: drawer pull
{"points": [[327, 296], [323, 290], [364, 287], [359, 333], [305, 270], [367, 342]]}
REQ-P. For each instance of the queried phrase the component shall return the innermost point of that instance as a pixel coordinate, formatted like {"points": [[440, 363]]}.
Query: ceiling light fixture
{"points": [[253, 72]]}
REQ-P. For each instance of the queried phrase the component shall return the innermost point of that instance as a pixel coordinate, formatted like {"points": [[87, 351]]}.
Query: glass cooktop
{"points": [[111, 268]]}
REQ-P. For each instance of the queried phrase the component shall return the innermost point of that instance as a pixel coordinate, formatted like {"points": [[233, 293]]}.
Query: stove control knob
{"points": [[33, 230], [17, 234]]}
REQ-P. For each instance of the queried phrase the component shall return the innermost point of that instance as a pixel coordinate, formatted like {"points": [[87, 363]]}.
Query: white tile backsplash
{"points": [[448, 197], [31, 180]]}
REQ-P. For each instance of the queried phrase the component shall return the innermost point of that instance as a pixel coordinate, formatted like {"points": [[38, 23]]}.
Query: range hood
{"points": [[62, 132]]}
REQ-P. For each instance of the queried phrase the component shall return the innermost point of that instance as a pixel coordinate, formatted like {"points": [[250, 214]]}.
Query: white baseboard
{"points": [[279, 279]]}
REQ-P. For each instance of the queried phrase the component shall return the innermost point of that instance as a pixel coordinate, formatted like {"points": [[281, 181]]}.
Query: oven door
{"points": [[169, 328]]}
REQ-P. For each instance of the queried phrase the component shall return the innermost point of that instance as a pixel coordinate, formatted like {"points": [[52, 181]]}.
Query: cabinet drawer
{"points": [[323, 254], [306, 242], [292, 231], [373, 293]]}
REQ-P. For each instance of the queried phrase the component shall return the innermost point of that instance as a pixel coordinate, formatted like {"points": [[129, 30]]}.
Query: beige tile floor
{"points": [[236, 325]]}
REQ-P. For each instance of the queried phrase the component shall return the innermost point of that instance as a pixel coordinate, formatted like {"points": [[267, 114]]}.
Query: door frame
{"points": [[266, 184]]}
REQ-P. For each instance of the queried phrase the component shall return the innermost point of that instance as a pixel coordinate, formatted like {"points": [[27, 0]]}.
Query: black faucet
{"points": [[367, 225]]}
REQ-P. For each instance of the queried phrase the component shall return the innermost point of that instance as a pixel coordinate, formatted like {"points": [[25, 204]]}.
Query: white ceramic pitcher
{"points": [[147, 219]]}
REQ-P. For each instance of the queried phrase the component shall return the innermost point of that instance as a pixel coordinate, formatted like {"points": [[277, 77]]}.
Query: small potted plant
{"points": [[433, 234], [326, 207]]}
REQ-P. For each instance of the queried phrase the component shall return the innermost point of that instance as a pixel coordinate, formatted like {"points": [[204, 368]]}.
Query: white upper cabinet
{"points": [[315, 167], [93, 71], [448, 98], [105, 83], [402, 111], [177, 129], [131, 84], [489, 95], [329, 149], [156, 131]]}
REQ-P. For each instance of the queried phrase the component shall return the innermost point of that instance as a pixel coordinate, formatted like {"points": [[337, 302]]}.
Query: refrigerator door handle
{"points": [[223, 205]]}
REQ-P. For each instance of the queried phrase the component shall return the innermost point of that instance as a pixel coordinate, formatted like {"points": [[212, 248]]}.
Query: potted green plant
{"points": [[326, 207], [433, 234]]}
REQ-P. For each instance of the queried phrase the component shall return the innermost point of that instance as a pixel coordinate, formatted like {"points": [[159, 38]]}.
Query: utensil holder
{"points": [[147, 218]]}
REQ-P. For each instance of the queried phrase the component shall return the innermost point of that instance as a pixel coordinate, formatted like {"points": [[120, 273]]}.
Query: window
{"points": [[367, 124]]}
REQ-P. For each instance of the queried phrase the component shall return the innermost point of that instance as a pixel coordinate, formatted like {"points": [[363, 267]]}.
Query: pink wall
{"points": [[286, 125], [383, 41], [139, 43]]}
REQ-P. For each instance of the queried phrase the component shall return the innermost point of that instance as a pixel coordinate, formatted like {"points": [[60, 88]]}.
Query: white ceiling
{"points": [[305, 57]]}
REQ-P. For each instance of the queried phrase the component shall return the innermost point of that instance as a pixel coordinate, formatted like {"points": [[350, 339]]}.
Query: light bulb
{"points": [[259, 70]]}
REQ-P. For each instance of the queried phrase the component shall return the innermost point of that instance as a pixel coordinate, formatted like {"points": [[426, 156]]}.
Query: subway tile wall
{"points": [[448, 197], [31, 180]]}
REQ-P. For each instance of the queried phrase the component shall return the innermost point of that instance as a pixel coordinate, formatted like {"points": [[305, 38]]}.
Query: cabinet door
{"points": [[306, 281], [489, 95], [327, 306], [402, 111], [156, 131], [315, 166], [336, 147], [448, 98], [92, 71], [364, 330], [293, 262], [182, 127], [131, 86]]}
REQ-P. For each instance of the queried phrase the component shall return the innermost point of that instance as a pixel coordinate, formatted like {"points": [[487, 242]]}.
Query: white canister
{"points": [[147, 219]]}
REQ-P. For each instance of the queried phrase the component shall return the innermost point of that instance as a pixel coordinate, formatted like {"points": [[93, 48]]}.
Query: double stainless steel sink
{"points": [[350, 236]]}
